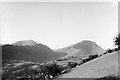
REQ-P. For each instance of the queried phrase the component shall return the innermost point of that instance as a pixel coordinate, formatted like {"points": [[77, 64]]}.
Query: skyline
{"points": [[59, 25]]}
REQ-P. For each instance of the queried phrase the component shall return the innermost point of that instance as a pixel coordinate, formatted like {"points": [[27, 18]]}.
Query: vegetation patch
{"points": [[109, 78]]}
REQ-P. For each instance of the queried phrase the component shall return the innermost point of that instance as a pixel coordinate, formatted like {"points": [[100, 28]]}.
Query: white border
{"points": [[59, 0]]}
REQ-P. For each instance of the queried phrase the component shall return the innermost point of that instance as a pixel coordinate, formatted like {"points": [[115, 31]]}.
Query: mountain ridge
{"points": [[31, 50], [83, 48], [37, 52]]}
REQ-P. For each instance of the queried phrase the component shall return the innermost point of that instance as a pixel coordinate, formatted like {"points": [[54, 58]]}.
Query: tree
{"points": [[117, 41]]}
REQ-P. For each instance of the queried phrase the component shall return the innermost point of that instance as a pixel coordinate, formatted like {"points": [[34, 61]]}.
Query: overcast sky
{"points": [[60, 24]]}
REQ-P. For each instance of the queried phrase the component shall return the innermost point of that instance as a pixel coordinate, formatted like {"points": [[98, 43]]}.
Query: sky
{"points": [[59, 24]]}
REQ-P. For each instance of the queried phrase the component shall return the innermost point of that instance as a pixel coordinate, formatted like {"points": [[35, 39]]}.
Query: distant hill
{"points": [[29, 51], [82, 49], [25, 43], [106, 65]]}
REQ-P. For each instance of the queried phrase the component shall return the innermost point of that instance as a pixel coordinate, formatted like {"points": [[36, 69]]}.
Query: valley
{"points": [[83, 60]]}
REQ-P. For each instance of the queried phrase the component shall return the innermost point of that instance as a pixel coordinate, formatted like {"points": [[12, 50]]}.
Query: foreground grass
{"points": [[109, 78]]}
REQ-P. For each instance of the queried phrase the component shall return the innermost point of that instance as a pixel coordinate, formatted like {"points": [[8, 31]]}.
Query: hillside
{"points": [[37, 52], [82, 49], [105, 65]]}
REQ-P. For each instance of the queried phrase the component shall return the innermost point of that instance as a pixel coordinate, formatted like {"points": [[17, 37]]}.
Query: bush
{"points": [[51, 69], [109, 78], [109, 50], [72, 64], [91, 57]]}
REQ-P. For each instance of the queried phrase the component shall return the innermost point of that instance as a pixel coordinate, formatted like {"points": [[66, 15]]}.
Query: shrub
{"points": [[89, 58], [51, 69], [109, 78], [72, 64], [109, 50]]}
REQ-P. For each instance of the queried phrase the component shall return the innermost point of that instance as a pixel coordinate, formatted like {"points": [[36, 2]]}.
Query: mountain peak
{"points": [[82, 49], [88, 46], [25, 43], [86, 41]]}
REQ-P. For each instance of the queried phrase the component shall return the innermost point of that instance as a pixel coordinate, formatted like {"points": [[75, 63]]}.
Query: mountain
{"points": [[106, 65], [82, 49], [28, 51], [25, 43]]}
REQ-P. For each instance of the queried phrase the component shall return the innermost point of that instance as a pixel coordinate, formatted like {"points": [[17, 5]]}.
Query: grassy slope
{"points": [[102, 66]]}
